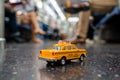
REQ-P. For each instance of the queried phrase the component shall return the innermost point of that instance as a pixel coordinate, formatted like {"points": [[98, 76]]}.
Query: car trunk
{"points": [[46, 53]]}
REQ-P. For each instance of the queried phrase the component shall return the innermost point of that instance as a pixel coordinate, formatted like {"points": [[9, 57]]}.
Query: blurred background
{"points": [[39, 20], [28, 26]]}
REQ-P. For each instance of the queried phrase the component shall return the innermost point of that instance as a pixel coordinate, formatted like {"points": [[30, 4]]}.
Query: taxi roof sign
{"points": [[63, 42]]}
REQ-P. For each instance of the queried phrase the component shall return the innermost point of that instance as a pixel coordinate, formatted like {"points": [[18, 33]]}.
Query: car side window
{"points": [[64, 48], [67, 47], [73, 47], [56, 47]]}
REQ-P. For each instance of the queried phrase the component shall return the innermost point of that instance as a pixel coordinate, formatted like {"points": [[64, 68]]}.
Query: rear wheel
{"points": [[68, 61], [63, 61]]}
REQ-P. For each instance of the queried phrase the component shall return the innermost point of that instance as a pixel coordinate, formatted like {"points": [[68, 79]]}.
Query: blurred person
{"points": [[91, 6], [28, 16], [11, 26]]}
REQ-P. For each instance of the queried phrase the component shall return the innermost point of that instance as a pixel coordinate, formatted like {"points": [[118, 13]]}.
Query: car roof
{"points": [[67, 44]]}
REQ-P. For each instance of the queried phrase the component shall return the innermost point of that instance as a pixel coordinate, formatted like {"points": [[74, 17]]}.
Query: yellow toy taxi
{"points": [[62, 51]]}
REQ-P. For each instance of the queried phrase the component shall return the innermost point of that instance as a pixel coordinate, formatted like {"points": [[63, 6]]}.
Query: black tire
{"points": [[81, 58], [68, 61], [63, 61], [49, 63]]}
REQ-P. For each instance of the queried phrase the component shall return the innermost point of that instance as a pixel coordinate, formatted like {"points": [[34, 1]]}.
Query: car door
{"points": [[75, 52], [66, 50]]}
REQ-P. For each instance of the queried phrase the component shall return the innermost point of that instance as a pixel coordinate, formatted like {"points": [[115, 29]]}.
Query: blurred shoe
{"points": [[89, 41], [39, 31], [37, 40], [78, 40], [16, 39]]}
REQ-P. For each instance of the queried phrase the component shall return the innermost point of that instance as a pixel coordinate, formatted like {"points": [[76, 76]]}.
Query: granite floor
{"points": [[20, 62]]}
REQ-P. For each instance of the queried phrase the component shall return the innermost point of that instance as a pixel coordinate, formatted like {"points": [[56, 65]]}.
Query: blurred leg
{"points": [[13, 26], [27, 19], [14, 34], [102, 6], [99, 6], [83, 23], [82, 27], [35, 27], [35, 24]]}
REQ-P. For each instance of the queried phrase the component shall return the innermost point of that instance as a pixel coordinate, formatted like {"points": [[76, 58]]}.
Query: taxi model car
{"points": [[62, 52]]}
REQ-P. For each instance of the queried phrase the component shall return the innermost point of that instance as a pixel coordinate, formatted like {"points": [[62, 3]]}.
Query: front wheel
{"points": [[81, 58], [63, 61]]}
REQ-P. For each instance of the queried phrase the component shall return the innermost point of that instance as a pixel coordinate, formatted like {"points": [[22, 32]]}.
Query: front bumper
{"points": [[48, 59]]}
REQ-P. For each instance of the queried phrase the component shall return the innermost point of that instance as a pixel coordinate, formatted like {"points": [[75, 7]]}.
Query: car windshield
{"points": [[56, 47]]}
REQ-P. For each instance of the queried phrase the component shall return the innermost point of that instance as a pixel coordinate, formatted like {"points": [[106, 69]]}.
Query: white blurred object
{"points": [[2, 43], [2, 51], [14, 1], [73, 19], [39, 4], [50, 11], [119, 3], [58, 10], [88, 41]]}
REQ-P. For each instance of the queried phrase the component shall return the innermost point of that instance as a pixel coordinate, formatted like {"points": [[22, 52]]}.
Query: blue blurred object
{"points": [[26, 30], [26, 26], [115, 11], [45, 28]]}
